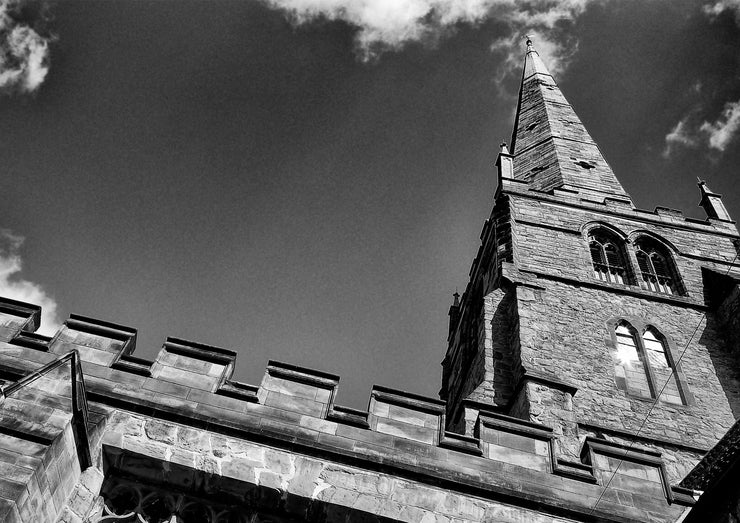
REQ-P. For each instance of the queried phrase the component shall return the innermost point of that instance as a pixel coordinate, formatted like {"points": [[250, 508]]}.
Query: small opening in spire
{"points": [[585, 165]]}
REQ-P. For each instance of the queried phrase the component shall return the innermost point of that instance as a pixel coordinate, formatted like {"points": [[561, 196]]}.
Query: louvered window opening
{"points": [[655, 271], [607, 260]]}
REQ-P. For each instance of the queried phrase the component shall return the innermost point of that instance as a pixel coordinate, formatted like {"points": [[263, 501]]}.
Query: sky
{"points": [[306, 180]]}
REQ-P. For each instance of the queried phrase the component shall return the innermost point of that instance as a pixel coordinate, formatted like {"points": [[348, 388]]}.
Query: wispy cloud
{"points": [[16, 288], [716, 132], [717, 135], [24, 49], [385, 25], [547, 23], [680, 135], [723, 130], [714, 9]]}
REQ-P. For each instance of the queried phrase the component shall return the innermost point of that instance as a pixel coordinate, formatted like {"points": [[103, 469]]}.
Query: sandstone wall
{"points": [[286, 449]]}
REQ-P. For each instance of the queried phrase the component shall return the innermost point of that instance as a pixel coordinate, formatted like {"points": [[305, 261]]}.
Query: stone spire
{"points": [[550, 145]]}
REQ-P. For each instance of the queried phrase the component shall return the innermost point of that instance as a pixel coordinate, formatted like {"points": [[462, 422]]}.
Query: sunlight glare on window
{"points": [[626, 348]]}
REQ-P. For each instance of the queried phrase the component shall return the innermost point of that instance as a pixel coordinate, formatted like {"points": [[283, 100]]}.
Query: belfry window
{"points": [[607, 257], [657, 271]]}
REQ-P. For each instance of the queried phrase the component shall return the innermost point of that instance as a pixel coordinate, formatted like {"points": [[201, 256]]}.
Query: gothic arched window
{"points": [[655, 349], [645, 366], [632, 373], [657, 270], [608, 257], [665, 375]]}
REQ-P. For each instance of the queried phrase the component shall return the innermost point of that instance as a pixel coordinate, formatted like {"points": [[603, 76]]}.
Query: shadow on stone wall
{"points": [[721, 333], [505, 329]]}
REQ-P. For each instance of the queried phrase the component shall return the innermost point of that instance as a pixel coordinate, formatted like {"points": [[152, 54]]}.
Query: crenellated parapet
{"points": [[185, 410]]}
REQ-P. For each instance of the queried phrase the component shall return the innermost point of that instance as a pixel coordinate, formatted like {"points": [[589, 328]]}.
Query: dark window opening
{"points": [[608, 259], [585, 165], [657, 271]]}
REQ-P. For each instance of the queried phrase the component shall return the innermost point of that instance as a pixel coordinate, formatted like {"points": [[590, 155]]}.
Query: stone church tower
{"points": [[591, 364], [586, 313]]}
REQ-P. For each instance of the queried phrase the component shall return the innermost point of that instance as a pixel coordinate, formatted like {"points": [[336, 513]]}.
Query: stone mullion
{"points": [[632, 267]]}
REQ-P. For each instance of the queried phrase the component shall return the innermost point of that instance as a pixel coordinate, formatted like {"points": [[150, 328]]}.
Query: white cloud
{"points": [[714, 9], [716, 135], [723, 130], [679, 136], [13, 287], [390, 24], [24, 53]]}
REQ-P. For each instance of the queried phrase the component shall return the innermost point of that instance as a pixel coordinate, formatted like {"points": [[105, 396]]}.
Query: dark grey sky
{"points": [[208, 170]]}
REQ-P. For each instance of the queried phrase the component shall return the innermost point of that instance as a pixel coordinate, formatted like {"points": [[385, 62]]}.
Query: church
{"points": [[591, 374]]}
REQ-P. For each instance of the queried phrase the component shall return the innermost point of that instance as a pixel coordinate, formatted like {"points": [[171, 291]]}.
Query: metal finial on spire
{"points": [[703, 187], [504, 148], [530, 45]]}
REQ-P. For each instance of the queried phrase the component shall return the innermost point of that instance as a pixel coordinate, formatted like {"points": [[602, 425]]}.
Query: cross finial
{"points": [[530, 45]]}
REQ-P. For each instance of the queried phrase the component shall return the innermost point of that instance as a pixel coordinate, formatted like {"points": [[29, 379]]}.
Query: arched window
{"points": [[645, 367], [657, 271], [607, 257], [632, 373], [662, 368], [655, 350]]}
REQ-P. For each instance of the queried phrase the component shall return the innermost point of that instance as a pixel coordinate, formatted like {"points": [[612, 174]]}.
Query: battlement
{"points": [[190, 385]]}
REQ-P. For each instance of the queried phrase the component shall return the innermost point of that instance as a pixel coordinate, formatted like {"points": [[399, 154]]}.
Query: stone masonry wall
{"points": [[565, 332], [567, 317], [39, 465], [551, 239], [286, 448]]}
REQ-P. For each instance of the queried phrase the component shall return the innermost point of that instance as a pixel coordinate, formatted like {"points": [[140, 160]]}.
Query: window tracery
{"points": [[607, 257], [657, 271], [630, 355], [655, 350], [132, 502], [645, 366], [612, 261]]}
